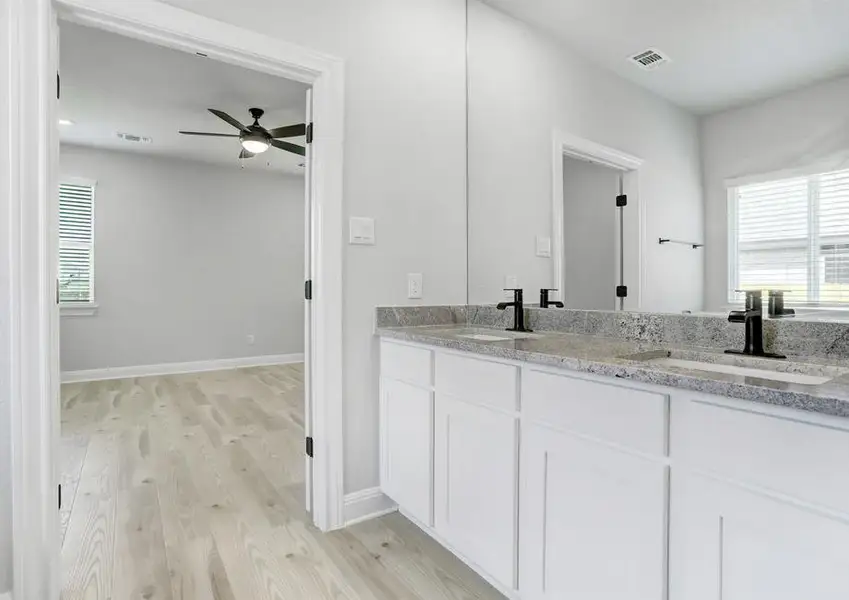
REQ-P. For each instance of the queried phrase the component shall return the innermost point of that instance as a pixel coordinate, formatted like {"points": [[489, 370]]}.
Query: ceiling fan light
{"points": [[255, 144]]}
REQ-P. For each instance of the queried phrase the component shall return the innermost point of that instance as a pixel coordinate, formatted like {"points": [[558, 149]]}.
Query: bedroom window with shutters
{"points": [[792, 235], [76, 243]]}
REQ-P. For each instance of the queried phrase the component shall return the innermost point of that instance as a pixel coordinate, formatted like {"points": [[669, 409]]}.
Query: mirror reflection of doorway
{"points": [[590, 230]]}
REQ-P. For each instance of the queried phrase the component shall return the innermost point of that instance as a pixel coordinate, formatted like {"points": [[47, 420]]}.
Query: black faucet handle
{"points": [[754, 298]]}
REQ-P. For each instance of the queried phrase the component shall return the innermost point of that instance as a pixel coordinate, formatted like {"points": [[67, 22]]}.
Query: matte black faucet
{"points": [[544, 302], [752, 318], [776, 305], [518, 305]]}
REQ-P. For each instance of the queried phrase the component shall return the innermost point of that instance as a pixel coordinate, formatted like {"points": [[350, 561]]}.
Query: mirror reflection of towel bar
{"points": [[694, 245]]}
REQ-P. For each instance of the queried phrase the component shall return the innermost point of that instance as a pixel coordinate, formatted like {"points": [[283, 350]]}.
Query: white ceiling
{"points": [[724, 52], [112, 84]]}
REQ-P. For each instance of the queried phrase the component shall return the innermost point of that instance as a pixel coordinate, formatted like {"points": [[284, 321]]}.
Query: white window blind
{"points": [[792, 235], [76, 243]]}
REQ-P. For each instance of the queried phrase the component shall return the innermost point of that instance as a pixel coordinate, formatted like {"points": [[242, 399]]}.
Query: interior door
{"points": [[308, 316]]}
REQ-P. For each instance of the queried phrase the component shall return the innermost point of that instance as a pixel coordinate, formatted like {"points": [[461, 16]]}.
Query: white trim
{"points": [[199, 366], [567, 144], [367, 504], [30, 376], [817, 168]]}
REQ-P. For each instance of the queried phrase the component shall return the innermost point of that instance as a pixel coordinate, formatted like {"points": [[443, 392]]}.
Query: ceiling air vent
{"points": [[650, 59], [136, 139]]}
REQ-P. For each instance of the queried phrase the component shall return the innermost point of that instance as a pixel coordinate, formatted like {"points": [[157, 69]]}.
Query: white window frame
{"points": [[732, 186], [83, 309]]}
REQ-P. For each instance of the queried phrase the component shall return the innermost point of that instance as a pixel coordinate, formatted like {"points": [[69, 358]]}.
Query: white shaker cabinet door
{"points": [[476, 467], [736, 544], [406, 448], [593, 520]]}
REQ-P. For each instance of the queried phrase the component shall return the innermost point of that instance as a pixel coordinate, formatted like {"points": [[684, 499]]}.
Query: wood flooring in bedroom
{"points": [[190, 487]]}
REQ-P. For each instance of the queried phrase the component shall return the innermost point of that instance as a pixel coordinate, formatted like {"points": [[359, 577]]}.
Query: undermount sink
{"points": [[490, 335], [775, 370]]}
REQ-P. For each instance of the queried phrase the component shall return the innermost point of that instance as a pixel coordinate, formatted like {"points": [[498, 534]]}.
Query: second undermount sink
{"points": [[775, 370], [490, 335]]}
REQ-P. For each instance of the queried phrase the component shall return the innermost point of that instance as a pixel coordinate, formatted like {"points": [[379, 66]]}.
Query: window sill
{"points": [[88, 309]]}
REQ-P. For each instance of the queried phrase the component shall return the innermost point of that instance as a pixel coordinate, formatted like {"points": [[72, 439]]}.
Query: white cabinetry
{"points": [[477, 462], [594, 506], [406, 429], [760, 504], [557, 485], [476, 484]]}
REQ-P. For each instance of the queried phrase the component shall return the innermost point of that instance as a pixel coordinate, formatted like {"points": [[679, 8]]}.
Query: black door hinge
{"points": [[621, 200], [308, 289], [309, 447], [60, 496], [621, 291], [309, 133]]}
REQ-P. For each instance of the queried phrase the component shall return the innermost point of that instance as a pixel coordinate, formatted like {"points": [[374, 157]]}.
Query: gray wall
{"points": [[190, 259], [524, 85], [802, 129], [405, 165], [589, 235]]}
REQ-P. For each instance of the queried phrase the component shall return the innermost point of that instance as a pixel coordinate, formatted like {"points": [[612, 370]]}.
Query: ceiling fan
{"points": [[256, 139]]}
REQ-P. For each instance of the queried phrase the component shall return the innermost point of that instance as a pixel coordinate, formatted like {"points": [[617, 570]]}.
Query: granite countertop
{"points": [[608, 357]]}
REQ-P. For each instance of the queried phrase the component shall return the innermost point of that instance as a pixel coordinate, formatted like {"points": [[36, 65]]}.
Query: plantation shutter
{"points": [[793, 235], [76, 243]]}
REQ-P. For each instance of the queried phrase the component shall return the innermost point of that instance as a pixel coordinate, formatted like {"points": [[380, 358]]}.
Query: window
{"points": [[792, 235], [76, 244]]}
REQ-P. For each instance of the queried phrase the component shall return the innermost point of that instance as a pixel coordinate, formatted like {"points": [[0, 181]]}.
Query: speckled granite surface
{"points": [[783, 336], [608, 357]]}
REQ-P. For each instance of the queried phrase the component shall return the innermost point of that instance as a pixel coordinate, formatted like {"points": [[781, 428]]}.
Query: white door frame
{"points": [[30, 366], [568, 145]]}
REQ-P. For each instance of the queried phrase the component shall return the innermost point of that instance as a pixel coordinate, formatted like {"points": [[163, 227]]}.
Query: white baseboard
{"points": [[176, 368], [367, 504]]}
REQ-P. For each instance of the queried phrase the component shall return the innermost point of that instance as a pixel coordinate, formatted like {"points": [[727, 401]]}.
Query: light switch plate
{"points": [[414, 285], [543, 246], [361, 231]]}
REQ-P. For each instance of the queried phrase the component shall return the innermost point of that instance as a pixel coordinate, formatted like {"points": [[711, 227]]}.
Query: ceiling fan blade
{"points": [[245, 154], [288, 131], [299, 150], [225, 117], [230, 135]]}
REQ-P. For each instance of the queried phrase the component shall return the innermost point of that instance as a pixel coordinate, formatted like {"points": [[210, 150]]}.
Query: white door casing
{"points": [[27, 301]]}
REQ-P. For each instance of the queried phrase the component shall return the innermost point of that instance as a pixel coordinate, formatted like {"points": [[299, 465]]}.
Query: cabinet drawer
{"points": [[629, 417], [804, 460], [477, 381], [406, 363]]}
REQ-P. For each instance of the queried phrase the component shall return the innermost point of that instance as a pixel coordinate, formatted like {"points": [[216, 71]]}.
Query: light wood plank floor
{"points": [[190, 487]]}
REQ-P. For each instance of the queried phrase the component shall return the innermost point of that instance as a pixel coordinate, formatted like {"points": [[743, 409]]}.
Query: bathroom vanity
{"points": [[570, 466]]}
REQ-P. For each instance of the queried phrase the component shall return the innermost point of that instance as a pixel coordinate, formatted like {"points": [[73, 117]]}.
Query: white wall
{"points": [[190, 259], [6, 37], [590, 264], [523, 85], [404, 165], [802, 129]]}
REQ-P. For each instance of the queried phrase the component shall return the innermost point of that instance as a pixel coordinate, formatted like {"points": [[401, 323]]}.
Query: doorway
{"points": [[591, 266], [34, 176], [595, 166]]}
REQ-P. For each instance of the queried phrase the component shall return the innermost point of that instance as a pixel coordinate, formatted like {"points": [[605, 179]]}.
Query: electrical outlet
{"points": [[414, 285], [251, 339]]}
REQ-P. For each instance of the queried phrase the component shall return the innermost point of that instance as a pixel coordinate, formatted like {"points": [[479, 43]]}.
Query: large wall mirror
{"points": [[679, 150]]}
